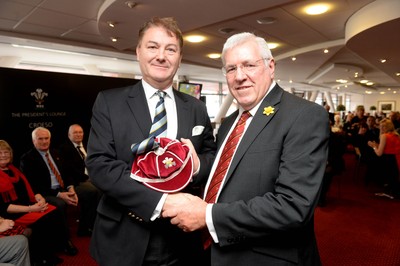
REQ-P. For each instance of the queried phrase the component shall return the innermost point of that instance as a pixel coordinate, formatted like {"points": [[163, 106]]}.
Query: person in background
{"points": [[356, 121], [394, 116], [14, 250], [388, 149], [128, 228], [20, 204], [335, 164], [368, 132], [74, 154], [260, 210], [337, 126], [44, 170], [331, 115]]}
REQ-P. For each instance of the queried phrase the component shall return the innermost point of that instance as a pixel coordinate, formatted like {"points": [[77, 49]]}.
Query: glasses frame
{"points": [[243, 67]]}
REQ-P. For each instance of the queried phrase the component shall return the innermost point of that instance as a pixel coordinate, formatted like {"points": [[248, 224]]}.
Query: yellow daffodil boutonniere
{"points": [[268, 110]]}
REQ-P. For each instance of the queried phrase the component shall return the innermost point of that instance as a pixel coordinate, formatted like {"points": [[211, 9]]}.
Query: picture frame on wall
{"points": [[386, 106]]}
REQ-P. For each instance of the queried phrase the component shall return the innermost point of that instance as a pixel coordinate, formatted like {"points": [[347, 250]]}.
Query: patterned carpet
{"points": [[355, 228]]}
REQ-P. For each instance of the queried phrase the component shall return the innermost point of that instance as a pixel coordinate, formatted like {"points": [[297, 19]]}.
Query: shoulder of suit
{"points": [[122, 90]]}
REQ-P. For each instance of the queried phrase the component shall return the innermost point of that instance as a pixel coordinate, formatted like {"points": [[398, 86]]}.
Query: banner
{"points": [[29, 99]]}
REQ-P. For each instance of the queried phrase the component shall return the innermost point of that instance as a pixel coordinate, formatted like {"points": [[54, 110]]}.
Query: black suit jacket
{"points": [[36, 171], [120, 118], [264, 214], [74, 164]]}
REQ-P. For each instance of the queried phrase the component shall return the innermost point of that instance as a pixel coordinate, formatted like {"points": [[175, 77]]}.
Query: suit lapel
{"points": [[183, 114], [259, 123], [140, 111]]}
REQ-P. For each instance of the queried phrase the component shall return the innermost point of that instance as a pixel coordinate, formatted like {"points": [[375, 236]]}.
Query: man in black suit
{"points": [[44, 170], [263, 212], [128, 229], [74, 154], [331, 115]]}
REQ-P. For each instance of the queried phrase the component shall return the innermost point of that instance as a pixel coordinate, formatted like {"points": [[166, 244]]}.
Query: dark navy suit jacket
{"points": [[120, 118]]}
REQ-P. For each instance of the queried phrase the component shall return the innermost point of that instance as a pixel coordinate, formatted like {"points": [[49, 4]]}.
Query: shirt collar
{"points": [[150, 91]]}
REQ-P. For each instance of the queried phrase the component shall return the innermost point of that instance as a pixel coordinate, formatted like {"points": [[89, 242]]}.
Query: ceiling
{"points": [[358, 33]]}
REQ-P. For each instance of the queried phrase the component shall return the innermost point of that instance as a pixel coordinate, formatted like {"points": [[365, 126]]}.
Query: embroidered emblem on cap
{"points": [[168, 162]]}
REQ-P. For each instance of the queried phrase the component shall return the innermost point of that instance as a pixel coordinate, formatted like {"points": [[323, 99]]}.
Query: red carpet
{"points": [[354, 229]]}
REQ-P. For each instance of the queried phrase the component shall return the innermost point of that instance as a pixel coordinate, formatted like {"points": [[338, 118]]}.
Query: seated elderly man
{"points": [[45, 172], [74, 154]]}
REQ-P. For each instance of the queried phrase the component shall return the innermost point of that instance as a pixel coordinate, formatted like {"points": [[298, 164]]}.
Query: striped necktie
{"points": [[81, 153], [223, 166], [226, 157], [54, 170], [159, 127]]}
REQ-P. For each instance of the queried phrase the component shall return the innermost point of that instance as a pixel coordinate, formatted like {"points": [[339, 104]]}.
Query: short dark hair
{"points": [[168, 23]]}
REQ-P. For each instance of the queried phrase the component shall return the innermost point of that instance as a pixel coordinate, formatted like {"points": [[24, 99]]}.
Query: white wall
{"points": [[377, 99]]}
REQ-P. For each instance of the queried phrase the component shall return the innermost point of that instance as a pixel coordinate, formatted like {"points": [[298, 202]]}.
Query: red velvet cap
{"points": [[168, 169]]}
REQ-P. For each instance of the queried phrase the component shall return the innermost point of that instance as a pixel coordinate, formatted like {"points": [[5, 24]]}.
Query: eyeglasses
{"points": [[247, 67]]}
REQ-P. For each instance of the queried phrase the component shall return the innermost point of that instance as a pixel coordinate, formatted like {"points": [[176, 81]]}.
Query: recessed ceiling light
{"points": [[370, 83], [195, 38], [294, 58], [214, 55], [273, 45], [266, 20], [383, 60], [368, 92], [316, 9], [341, 81], [131, 4], [111, 24], [113, 39], [382, 92], [364, 81], [398, 74], [226, 30], [326, 51]]}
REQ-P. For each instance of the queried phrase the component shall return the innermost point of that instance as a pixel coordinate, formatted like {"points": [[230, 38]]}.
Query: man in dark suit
{"points": [[264, 208], [74, 154], [128, 229], [54, 185]]}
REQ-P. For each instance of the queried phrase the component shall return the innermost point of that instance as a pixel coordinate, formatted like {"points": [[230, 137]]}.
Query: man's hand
{"points": [[69, 197], [189, 213], [196, 160]]}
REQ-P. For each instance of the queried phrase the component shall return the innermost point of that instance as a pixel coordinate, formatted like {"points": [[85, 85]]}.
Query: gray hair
{"points": [[243, 37], [34, 132]]}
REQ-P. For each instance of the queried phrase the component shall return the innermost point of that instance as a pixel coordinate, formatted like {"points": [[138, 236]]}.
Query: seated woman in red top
{"points": [[19, 203], [389, 149]]}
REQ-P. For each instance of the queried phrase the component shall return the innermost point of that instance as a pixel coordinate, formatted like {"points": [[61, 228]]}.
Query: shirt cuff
{"points": [[157, 212], [210, 224]]}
